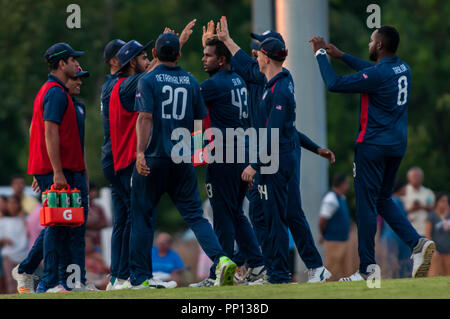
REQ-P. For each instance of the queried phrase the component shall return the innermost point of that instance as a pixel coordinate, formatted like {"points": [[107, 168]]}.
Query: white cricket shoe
{"points": [[122, 284], [239, 276], [207, 282], [261, 281], [155, 283], [25, 282], [89, 286], [256, 275], [57, 289], [357, 276], [421, 256], [320, 274]]}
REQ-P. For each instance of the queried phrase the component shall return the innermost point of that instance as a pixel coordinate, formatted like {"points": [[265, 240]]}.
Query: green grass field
{"points": [[424, 288]]}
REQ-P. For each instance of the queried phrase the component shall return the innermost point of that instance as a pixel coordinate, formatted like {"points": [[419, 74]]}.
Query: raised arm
{"points": [[355, 63]]}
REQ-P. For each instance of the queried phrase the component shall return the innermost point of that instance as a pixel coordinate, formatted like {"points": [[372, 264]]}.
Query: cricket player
{"points": [[118, 265], [57, 157], [279, 102], [250, 71], [225, 95], [167, 99], [385, 88], [118, 150]]}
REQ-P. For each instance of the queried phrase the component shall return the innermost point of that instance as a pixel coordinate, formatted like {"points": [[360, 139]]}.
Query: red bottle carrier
{"points": [[61, 216], [200, 156]]}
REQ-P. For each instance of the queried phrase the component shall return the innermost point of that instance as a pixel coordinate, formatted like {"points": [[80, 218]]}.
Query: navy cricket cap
{"points": [[254, 45], [112, 48], [167, 46], [274, 49], [59, 51], [267, 34], [81, 74], [129, 51]]}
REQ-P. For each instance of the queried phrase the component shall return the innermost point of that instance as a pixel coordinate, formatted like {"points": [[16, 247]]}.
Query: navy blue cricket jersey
{"points": [[279, 103], [173, 97], [248, 69], [385, 90], [80, 111], [106, 157], [127, 93], [226, 97]]}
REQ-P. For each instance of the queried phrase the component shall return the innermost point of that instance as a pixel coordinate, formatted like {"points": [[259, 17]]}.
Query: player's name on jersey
{"points": [[399, 69], [236, 81], [183, 79]]}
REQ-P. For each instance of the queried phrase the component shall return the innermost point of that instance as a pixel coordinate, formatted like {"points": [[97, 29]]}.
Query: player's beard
{"points": [[373, 56], [139, 69]]}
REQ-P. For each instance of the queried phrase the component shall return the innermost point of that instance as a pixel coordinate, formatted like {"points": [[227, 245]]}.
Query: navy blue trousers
{"points": [[273, 190], [375, 170], [59, 246], [179, 181], [295, 216], [226, 192], [121, 204]]}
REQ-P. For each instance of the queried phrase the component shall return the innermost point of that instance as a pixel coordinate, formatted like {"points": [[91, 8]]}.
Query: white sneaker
{"points": [[421, 256], [25, 282], [255, 274], [89, 286], [261, 281], [155, 283], [207, 282], [110, 285], [320, 274], [57, 289], [121, 284], [239, 276], [357, 276]]}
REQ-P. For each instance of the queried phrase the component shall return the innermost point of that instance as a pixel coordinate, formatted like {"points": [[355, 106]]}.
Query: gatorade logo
{"points": [[67, 214]]}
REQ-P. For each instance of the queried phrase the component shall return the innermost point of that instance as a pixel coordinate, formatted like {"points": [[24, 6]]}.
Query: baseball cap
{"points": [[129, 51], [81, 74], [274, 49], [254, 45], [267, 34], [59, 51], [112, 48], [167, 46]]}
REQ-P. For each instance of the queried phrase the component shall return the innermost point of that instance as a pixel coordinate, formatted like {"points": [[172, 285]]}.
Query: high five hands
{"points": [[185, 34]]}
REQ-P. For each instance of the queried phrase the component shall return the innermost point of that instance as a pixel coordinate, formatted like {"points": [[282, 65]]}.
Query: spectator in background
{"points": [[33, 224], [397, 252], [18, 184], [167, 264], [438, 229], [96, 270], [13, 240], [418, 200], [3, 201], [2, 273], [96, 219], [334, 226]]}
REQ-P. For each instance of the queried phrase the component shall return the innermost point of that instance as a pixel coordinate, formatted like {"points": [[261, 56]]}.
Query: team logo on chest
{"points": [[80, 109], [264, 95]]}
